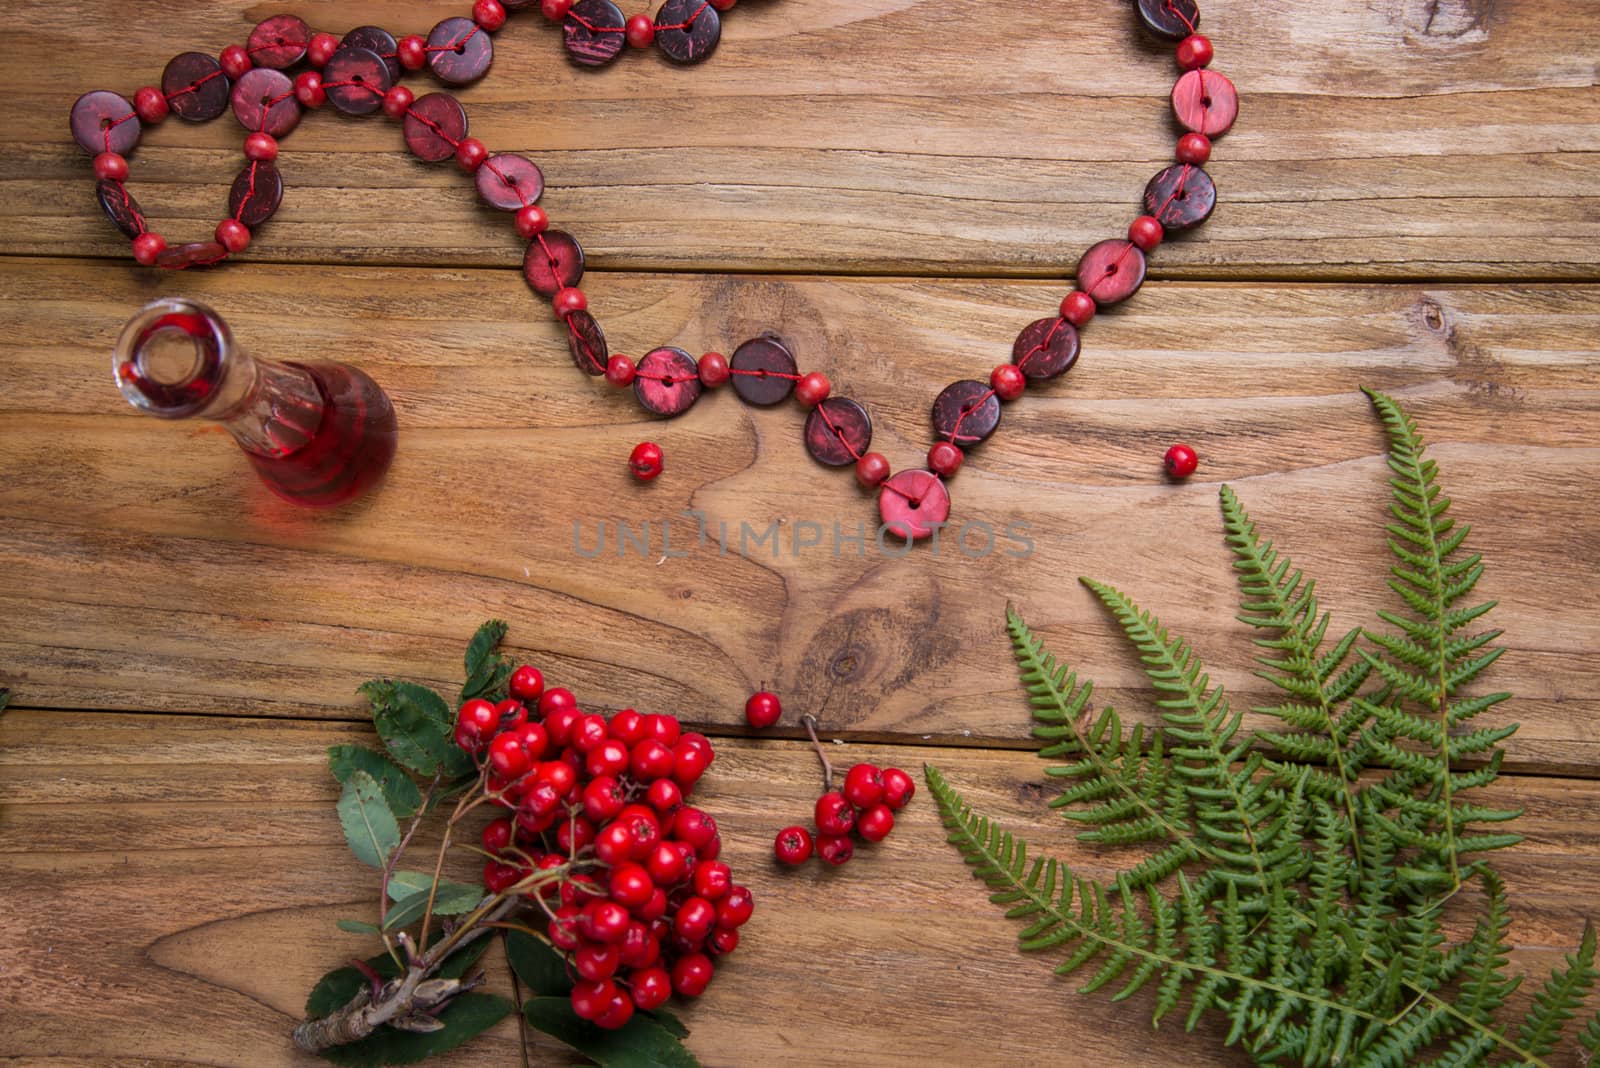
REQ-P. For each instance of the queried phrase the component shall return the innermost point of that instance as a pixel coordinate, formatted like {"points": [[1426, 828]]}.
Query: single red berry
{"points": [[696, 740], [651, 988], [479, 719], [490, 14], [511, 714], [713, 365], [639, 948], [643, 826], [944, 459], [321, 48], [233, 235], [588, 733], [762, 710], [1194, 52], [666, 865], [792, 846], [641, 31], [645, 461], [875, 823], [151, 104], [527, 683], [498, 877], [610, 757], [834, 813], [1147, 232], [711, 850], [613, 844], [397, 101], [563, 928], [559, 776], [863, 785], [591, 999], [712, 881], [1181, 461], [555, 10], [736, 908], [627, 727], [560, 723], [631, 885], [236, 62], [897, 788], [664, 729], [1077, 307], [689, 763], [692, 974], [308, 89], [147, 246], [695, 919], [650, 760], [574, 834], [470, 154], [604, 921], [110, 165], [595, 961], [722, 941], [1194, 148], [496, 835], [617, 1013], [655, 909], [1008, 381], [664, 795], [568, 300], [872, 470], [694, 827], [507, 756], [554, 700], [620, 371], [603, 798], [835, 849]]}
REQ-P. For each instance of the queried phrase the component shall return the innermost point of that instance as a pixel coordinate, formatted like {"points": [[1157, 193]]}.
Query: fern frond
{"points": [[1560, 999]]}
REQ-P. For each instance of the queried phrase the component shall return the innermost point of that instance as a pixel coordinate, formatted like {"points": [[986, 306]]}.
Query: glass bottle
{"points": [[318, 434]]}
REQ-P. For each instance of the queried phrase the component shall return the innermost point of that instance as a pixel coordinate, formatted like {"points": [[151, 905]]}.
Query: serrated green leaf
{"points": [[483, 644], [369, 827], [541, 969], [640, 1043], [468, 1016], [411, 898], [487, 671], [403, 796], [358, 927], [416, 728]]}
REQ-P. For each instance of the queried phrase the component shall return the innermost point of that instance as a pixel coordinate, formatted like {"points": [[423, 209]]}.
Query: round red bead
{"points": [[531, 220], [1077, 307], [620, 370], [645, 461], [723, 5], [555, 10], [321, 48], [308, 89], [1146, 232], [261, 146], [1181, 461], [151, 105], [412, 51], [233, 235], [569, 300], [397, 101], [713, 370], [235, 62], [1194, 52], [944, 459], [490, 14], [813, 389], [147, 246], [872, 469], [1008, 381], [471, 153], [1194, 148], [641, 31], [110, 165]]}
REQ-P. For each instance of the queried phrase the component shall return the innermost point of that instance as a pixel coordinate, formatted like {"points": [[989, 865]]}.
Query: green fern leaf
{"points": [[1559, 1000]]}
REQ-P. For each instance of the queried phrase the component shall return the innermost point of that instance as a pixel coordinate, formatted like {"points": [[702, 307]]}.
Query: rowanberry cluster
{"points": [[866, 805], [646, 904]]}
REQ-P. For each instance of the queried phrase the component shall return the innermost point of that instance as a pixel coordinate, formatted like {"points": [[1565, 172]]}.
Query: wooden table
{"points": [[1410, 200]]}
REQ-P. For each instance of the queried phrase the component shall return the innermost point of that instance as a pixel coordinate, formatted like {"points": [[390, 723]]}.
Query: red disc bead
{"points": [[1146, 232], [1181, 461], [236, 62], [471, 153], [713, 370], [398, 101], [531, 220], [1194, 52], [1077, 307], [308, 89], [412, 52], [641, 31], [872, 469], [944, 459], [151, 104], [569, 300], [813, 389], [233, 235], [490, 14], [321, 48], [261, 146], [555, 10], [110, 165], [620, 370], [147, 246], [1194, 148], [1008, 381]]}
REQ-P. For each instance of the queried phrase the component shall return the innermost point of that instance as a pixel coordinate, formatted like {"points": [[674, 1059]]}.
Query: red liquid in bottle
{"points": [[349, 451]]}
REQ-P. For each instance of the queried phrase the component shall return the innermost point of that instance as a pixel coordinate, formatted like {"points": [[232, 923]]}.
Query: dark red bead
{"points": [[1194, 148], [434, 126], [1008, 381], [944, 459], [1205, 102], [412, 52], [509, 182], [261, 146], [151, 105], [1194, 52], [148, 246], [838, 431], [1047, 347], [308, 89], [264, 100], [587, 343], [1171, 19], [459, 51], [490, 14], [471, 154], [256, 193], [531, 219], [553, 262], [1111, 271], [872, 469], [966, 412], [641, 31], [1181, 461], [194, 254], [398, 101], [279, 42], [713, 370], [1146, 231], [1180, 197], [196, 88], [620, 371], [110, 165], [594, 31], [567, 301], [913, 504], [233, 235], [812, 389], [1077, 308], [356, 80], [102, 121], [379, 40], [687, 31], [668, 382], [120, 207], [759, 368], [321, 48], [235, 62]]}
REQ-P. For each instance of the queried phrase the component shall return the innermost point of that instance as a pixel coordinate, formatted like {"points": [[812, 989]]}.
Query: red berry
{"points": [[595, 961], [605, 921], [863, 785], [944, 459], [558, 774], [1147, 232], [147, 246], [321, 48], [695, 919], [578, 893], [628, 727], [110, 165], [603, 798], [588, 733], [692, 974], [834, 813], [650, 760], [643, 828], [722, 941], [875, 823], [1194, 148], [560, 724], [631, 885], [498, 877], [872, 469], [666, 865], [645, 460], [1077, 307], [496, 835], [639, 948], [527, 683], [736, 909], [651, 988], [511, 714], [617, 1014], [694, 827], [711, 850], [697, 740], [689, 763], [563, 929], [151, 104], [490, 14], [590, 999], [477, 719], [813, 389], [574, 834], [308, 89], [610, 757], [664, 729], [897, 788], [835, 849], [762, 710], [1181, 461], [553, 701], [233, 235], [713, 365], [470, 154], [664, 795], [508, 758], [1194, 52], [613, 844], [793, 846], [236, 62], [655, 909], [1008, 381], [712, 881]]}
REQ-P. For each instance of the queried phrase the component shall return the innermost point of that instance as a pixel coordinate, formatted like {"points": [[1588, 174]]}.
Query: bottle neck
{"points": [[177, 359]]}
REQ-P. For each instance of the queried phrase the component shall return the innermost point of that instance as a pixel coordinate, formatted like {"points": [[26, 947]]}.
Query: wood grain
{"points": [[1411, 140], [211, 846]]}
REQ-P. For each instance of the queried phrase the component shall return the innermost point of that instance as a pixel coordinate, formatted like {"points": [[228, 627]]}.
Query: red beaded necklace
{"points": [[360, 74]]}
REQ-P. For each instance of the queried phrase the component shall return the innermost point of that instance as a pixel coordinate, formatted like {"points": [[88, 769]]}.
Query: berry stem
{"points": [[810, 722], [394, 860]]}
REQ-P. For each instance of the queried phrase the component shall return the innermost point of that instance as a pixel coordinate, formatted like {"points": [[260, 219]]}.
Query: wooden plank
{"points": [[212, 846], [1419, 139], [144, 567]]}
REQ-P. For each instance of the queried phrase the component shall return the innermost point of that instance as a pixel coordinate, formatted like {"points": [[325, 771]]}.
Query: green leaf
{"points": [[369, 826], [5, 698], [468, 1016], [358, 927], [640, 1043], [334, 990], [403, 796], [410, 893], [541, 969], [415, 725], [486, 671]]}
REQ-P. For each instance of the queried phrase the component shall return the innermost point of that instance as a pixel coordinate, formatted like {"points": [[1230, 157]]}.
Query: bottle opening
{"points": [[170, 358]]}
